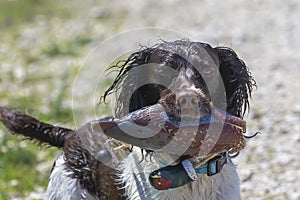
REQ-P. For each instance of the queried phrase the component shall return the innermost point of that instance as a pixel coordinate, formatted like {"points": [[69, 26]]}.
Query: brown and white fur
{"points": [[77, 174], [225, 185]]}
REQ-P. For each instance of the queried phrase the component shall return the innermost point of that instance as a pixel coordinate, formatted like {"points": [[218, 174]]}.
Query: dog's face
{"points": [[157, 72], [191, 92], [183, 68], [187, 78]]}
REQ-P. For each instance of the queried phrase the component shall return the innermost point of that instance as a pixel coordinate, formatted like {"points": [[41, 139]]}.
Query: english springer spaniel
{"points": [[177, 124]]}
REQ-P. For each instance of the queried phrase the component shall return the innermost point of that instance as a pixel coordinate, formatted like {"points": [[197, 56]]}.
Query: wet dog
{"points": [[188, 79]]}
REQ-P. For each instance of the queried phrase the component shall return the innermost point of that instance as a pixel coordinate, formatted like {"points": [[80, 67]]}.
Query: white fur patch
{"points": [[61, 186], [134, 175]]}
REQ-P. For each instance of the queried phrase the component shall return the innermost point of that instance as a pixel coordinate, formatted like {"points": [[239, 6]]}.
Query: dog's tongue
{"points": [[151, 128]]}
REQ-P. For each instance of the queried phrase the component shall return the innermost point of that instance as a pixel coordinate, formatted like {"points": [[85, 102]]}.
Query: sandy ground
{"points": [[265, 35]]}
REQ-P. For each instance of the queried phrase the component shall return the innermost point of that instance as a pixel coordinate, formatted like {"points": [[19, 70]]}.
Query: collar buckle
{"points": [[216, 164], [213, 165]]}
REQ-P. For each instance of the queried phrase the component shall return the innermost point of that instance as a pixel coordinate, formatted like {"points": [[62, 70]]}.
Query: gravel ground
{"points": [[265, 35]]}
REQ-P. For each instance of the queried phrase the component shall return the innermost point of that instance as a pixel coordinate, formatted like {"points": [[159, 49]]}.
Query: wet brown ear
{"points": [[237, 79]]}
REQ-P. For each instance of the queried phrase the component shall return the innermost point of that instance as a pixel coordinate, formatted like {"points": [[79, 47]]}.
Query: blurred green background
{"points": [[42, 44]]}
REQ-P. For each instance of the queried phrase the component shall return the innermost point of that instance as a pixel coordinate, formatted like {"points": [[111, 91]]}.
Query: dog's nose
{"points": [[188, 103], [188, 100]]}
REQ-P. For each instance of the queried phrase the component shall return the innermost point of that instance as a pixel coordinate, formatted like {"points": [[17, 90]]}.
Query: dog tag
{"points": [[189, 168]]}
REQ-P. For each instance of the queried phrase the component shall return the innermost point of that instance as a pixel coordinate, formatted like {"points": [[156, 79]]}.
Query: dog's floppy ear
{"points": [[238, 81], [132, 93]]}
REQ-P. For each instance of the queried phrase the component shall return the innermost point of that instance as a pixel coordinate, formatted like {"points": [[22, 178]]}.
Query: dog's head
{"points": [[182, 74], [192, 96]]}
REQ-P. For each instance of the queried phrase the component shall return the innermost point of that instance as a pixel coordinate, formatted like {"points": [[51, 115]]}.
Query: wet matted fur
{"points": [[76, 174]]}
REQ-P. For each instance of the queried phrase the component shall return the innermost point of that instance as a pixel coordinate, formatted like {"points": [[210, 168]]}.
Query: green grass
{"points": [[69, 48], [19, 164], [21, 161], [45, 90], [16, 12]]}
